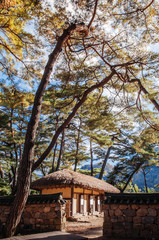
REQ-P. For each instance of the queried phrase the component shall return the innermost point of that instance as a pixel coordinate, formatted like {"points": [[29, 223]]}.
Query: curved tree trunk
{"points": [[61, 150], [53, 159], [146, 187], [1, 172], [55, 148], [23, 181], [105, 162], [91, 153], [131, 176], [143, 89], [77, 145]]}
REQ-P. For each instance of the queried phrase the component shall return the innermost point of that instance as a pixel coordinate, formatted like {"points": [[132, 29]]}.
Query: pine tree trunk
{"points": [[146, 188], [14, 169], [104, 163], [91, 153], [54, 154], [23, 181], [77, 145], [53, 159], [1, 172], [61, 150], [131, 176]]}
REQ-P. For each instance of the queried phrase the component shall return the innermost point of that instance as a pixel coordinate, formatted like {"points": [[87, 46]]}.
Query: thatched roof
{"points": [[67, 177]]}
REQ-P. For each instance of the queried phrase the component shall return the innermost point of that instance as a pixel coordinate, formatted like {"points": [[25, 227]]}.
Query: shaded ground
{"points": [[81, 230], [92, 228], [56, 235]]}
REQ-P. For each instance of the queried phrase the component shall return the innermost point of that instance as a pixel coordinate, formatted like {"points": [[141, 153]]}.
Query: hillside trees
{"points": [[102, 47], [15, 110], [135, 153]]}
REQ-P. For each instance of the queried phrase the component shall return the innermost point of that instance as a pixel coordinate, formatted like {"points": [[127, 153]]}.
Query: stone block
{"points": [[121, 219], [6, 212], [28, 226], [135, 206], [107, 225], [147, 234], [58, 213], [50, 215], [148, 219], [133, 234], [124, 206], [46, 222], [157, 220], [128, 226], [129, 219], [114, 206], [129, 212], [142, 212], [106, 219], [58, 227], [39, 221], [149, 226], [26, 221], [51, 221], [152, 212], [37, 215], [37, 226], [111, 212], [156, 206], [57, 208], [113, 219], [47, 209], [117, 225], [154, 228], [144, 206], [105, 206], [57, 221], [32, 221], [27, 215], [3, 219], [118, 212], [136, 219], [137, 226]]}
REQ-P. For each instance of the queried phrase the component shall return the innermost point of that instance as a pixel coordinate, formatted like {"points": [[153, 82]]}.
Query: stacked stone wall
{"points": [[131, 221], [37, 218]]}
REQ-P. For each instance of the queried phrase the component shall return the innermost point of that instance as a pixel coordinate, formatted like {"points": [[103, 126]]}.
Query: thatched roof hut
{"points": [[67, 178]]}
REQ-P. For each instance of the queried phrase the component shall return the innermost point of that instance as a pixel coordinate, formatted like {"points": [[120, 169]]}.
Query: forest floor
{"points": [[91, 228]]}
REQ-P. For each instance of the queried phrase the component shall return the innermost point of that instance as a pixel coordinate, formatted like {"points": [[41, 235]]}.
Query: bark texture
{"points": [[23, 181], [131, 176], [61, 150], [143, 89], [77, 145], [105, 162], [91, 154]]}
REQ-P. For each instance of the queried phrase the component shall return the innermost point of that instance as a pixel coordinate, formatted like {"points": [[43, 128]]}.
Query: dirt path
{"points": [[92, 228]]}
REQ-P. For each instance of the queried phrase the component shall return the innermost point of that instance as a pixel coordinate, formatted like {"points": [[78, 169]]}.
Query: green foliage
{"points": [[133, 155], [5, 188]]}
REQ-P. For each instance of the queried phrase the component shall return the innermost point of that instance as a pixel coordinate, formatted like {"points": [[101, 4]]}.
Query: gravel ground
{"points": [[92, 228]]}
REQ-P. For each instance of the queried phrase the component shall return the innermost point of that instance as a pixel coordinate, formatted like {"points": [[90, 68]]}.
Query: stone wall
{"points": [[37, 217], [128, 220]]}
